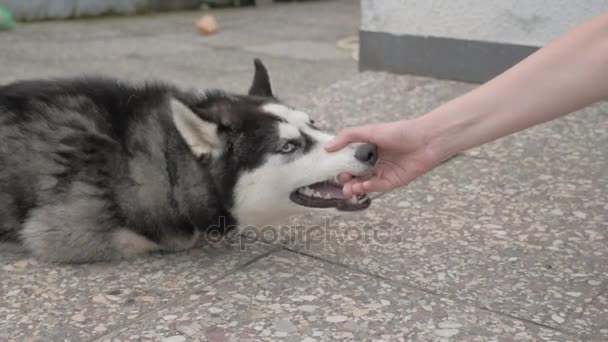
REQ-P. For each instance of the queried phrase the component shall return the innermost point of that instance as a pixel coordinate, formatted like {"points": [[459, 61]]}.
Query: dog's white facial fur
{"points": [[262, 195]]}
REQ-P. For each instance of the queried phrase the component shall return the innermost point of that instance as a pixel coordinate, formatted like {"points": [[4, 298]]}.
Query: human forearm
{"points": [[566, 75]]}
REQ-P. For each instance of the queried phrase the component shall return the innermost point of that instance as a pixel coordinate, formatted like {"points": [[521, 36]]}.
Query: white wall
{"points": [[525, 22]]}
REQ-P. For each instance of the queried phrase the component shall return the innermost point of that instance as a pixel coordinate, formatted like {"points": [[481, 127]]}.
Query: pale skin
{"points": [[568, 74]]}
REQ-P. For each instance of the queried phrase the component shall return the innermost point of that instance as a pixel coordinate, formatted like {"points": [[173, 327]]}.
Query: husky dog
{"points": [[95, 169]]}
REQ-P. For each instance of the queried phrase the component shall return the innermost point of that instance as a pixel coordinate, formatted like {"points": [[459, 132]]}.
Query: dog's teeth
{"points": [[317, 194], [327, 196]]}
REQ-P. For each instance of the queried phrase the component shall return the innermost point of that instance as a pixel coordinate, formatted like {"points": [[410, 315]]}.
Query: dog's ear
{"points": [[199, 134], [261, 81]]}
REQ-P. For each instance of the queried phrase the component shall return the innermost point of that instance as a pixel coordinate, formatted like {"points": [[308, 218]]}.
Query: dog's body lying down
{"points": [[95, 169]]}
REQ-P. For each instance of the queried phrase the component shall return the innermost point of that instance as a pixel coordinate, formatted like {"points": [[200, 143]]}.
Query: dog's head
{"points": [[267, 158]]}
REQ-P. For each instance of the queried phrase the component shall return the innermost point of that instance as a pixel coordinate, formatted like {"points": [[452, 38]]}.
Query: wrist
{"points": [[434, 135], [463, 123], [431, 145]]}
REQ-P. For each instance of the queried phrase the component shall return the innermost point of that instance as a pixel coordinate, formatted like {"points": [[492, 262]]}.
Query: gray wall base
{"points": [[443, 58]]}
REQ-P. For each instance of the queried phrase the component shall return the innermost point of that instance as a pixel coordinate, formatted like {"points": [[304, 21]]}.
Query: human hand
{"points": [[403, 155]]}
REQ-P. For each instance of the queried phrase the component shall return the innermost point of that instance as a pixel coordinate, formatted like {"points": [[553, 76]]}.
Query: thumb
{"points": [[347, 136]]}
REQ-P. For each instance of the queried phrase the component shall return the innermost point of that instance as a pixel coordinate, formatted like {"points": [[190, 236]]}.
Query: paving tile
{"points": [[289, 297], [519, 232], [504, 253], [46, 302]]}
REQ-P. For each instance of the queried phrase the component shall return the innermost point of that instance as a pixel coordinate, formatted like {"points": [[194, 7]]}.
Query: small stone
{"points": [[13, 292], [215, 310], [594, 282], [280, 334], [307, 308], [100, 328], [308, 339], [385, 302], [336, 319], [559, 319], [360, 312], [574, 294], [446, 332], [449, 325], [194, 297], [240, 296], [169, 317], [186, 328], [404, 204], [261, 297], [99, 299], [21, 263], [557, 212], [78, 317], [207, 24], [176, 338], [147, 298], [284, 325], [113, 298], [580, 214], [275, 306], [308, 298]]}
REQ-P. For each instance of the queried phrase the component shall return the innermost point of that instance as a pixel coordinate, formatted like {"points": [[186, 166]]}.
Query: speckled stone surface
{"points": [[45, 302], [290, 297], [518, 226]]}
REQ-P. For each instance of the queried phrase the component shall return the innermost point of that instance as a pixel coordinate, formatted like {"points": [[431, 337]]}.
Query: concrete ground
{"points": [[506, 242]]}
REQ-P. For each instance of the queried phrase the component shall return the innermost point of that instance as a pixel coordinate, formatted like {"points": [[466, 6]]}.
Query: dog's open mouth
{"points": [[328, 194]]}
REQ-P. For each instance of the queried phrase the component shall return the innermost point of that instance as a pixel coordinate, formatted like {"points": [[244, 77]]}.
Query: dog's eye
{"points": [[312, 122], [288, 147]]}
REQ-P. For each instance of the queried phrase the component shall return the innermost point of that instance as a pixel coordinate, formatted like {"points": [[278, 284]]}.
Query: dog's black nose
{"points": [[367, 153]]}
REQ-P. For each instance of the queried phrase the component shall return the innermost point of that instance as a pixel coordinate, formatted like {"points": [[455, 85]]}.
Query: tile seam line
{"points": [[410, 286], [115, 330]]}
